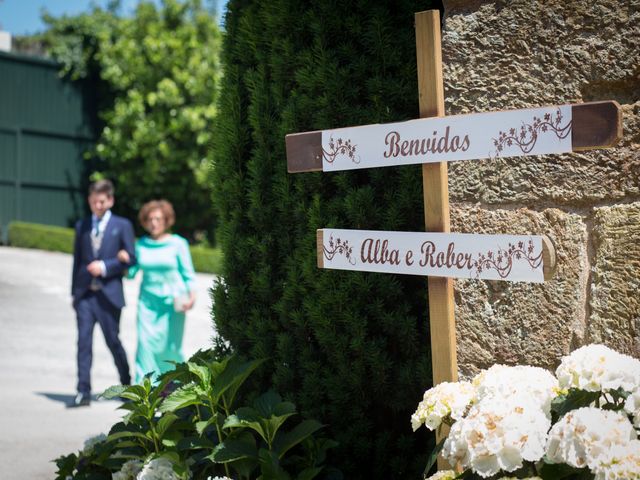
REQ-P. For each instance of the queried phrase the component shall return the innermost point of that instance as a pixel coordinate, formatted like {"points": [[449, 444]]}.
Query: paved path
{"points": [[37, 361]]}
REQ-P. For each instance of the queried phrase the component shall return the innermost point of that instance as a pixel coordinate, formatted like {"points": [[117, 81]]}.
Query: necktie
{"points": [[96, 237]]}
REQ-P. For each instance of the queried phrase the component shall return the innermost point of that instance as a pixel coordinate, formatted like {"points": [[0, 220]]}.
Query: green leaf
{"points": [[433, 456], [232, 421], [558, 471], [164, 423], [232, 377], [309, 473], [290, 439], [128, 418], [194, 443], [270, 414], [112, 392], [203, 425], [127, 434], [173, 457], [270, 466], [181, 398], [171, 439], [125, 444], [270, 403], [202, 372], [130, 392], [242, 446], [66, 464], [247, 418], [574, 399]]}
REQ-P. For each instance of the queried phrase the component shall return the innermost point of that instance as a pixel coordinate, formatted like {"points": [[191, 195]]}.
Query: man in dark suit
{"points": [[97, 283]]}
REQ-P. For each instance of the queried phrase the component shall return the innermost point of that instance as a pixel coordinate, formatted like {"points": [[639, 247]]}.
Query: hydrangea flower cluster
{"points": [[502, 420], [129, 470], [157, 469], [448, 399], [505, 426], [596, 368], [582, 437], [497, 437], [90, 443], [632, 407], [501, 381], [516, 478], [444, 475], [621, 462]]}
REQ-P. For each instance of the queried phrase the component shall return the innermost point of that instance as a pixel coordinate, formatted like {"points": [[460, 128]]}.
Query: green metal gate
{"points": [[46, 125]]}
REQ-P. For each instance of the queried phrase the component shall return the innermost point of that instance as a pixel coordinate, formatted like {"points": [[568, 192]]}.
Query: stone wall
{"points": [[527, 53]]}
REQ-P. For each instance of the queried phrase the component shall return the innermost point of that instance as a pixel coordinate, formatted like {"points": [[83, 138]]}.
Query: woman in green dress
{"points": [[166, 291]]}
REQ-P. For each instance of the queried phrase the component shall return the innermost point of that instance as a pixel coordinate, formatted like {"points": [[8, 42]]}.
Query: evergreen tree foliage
{"points": [[157, 73], [349, 348]]}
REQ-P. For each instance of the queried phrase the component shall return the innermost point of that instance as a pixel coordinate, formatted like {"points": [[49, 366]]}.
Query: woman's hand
{"points": [[123, 256], [188, 305]]}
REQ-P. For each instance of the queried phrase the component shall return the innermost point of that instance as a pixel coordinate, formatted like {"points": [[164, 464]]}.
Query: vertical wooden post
{"points": [[435, 184], [436, 197]]}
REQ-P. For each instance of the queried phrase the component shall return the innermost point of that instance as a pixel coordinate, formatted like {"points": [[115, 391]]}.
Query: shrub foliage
{"points": [[349, 348], [43, 237], [156, 75]]}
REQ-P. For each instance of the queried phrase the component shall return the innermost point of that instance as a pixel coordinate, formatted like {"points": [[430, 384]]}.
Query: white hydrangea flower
{"points": [[443, 475], [445, 399], [158, 469], [90, 443], [129, 470], [497, 435], [621, 462], [219, 478], [598, 368], [632, 407], [502, 381], [583, 436], [516, 478]]}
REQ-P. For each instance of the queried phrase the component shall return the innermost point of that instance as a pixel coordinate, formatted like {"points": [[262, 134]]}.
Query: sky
{"points": [[22, 17]]}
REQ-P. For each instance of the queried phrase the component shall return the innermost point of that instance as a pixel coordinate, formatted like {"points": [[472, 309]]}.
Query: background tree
{"points": [[157, 75], [348, 347]]}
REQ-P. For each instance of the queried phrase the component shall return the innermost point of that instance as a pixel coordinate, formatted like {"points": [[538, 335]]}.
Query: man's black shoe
{"points": [[81, 400]]}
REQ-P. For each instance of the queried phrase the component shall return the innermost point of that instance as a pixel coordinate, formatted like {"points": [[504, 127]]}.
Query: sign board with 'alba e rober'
{"points": [[532, 131], [528, 258]]}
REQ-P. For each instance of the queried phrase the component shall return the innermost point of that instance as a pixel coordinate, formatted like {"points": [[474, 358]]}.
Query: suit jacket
{"points": [[118, 235]]}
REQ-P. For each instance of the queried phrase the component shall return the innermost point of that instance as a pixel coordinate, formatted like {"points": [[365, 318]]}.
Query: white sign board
{"points": [[457, 255], [533, 131]]}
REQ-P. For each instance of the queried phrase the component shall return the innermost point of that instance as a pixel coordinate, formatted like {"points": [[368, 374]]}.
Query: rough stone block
{"points": [[504, 55], [516, 322], [615, 283]]}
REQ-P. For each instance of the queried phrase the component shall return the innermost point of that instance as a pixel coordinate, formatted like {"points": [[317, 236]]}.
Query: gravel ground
{"points": [[37, 361]]}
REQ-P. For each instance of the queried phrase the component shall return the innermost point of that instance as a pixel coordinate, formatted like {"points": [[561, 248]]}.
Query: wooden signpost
{"points": [[433, 142]]}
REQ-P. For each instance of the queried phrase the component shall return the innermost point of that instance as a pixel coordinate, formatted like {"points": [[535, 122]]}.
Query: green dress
{"points": [[167, 273]]}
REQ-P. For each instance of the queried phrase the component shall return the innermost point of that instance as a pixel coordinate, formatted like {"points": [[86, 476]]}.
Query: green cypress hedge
{"points": [[349, 348]]}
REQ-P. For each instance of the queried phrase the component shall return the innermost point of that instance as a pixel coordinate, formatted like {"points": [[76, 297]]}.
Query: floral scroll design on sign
{"points": [[338, 247], [502, 260], [527, 136], [339, 148]]}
